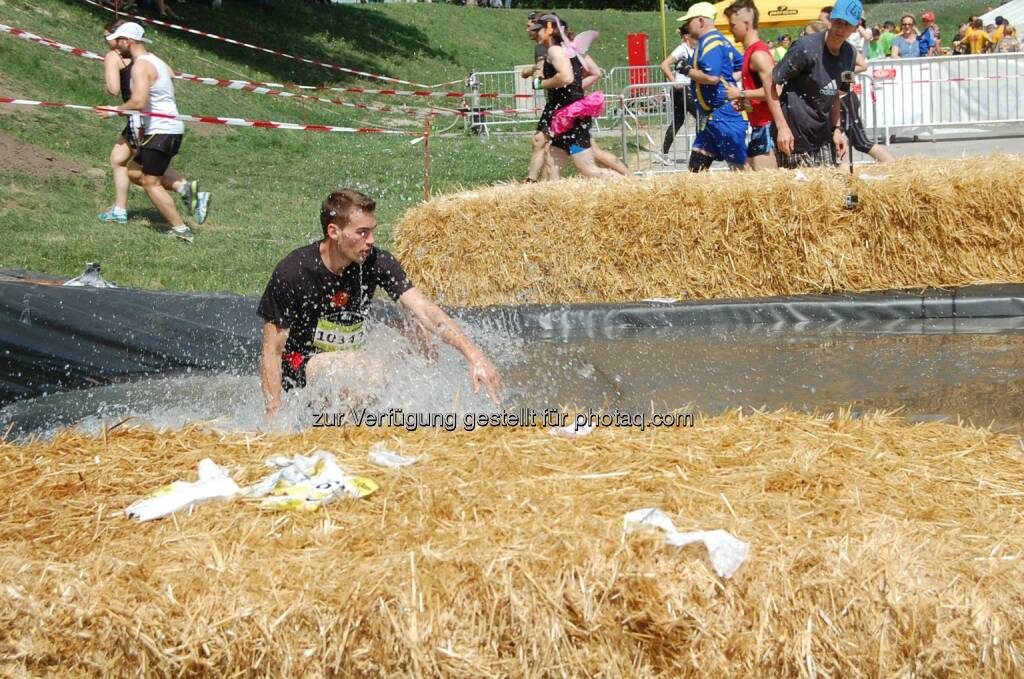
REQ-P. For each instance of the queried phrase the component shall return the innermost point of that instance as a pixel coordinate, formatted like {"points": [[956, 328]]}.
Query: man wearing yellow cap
{"points": [[721, 130]]}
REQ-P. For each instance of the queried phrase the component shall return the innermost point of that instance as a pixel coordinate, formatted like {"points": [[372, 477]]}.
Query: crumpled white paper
{"points": [[380, 455], [213, 484], [571, 432], [727, 553], [307, 482]]}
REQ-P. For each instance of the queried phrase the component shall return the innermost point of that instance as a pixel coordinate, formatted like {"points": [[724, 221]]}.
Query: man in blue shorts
{"points": [[721, 130]]}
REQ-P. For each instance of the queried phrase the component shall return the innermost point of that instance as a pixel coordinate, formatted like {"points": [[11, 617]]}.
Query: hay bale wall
{"points": [[877, 549], [932, 223]]}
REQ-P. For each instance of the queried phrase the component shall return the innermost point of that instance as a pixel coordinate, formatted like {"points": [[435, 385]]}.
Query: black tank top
{"points": [[563, 96], [126, 81]]}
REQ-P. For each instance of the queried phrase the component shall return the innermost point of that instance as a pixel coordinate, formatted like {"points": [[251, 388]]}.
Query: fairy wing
{"points": [[584, 40]]}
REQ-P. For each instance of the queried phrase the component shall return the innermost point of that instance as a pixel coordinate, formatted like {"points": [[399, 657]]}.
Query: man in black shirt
{"points": [[811, 77], [316, 301]]}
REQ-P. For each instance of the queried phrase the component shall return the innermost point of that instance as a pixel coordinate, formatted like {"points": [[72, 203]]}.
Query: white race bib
{"points": [[346, 332]]}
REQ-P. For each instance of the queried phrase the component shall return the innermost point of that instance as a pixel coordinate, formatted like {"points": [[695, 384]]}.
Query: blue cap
{"points": [[849, 11]]}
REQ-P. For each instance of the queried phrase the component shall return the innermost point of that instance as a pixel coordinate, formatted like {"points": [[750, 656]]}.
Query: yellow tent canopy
{"points": [[776, 14]]}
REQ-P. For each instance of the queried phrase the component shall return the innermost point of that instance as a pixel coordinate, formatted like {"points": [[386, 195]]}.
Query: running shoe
{"points": [[191, 196], [111, 216], [663, 159], [182, 232], [202, 206]]}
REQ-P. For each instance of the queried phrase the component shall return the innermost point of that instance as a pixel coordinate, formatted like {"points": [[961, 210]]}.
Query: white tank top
{"points": [[161, 100]]}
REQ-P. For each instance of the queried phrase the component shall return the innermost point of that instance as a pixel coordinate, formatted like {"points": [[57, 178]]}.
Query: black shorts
{"points": [[849, 117], [293, 370], [130, 135], [544, 124], [576, 139], [155, 153]]}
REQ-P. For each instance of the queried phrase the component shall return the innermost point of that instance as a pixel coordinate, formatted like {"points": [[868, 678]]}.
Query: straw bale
{"points": [[718, 235], [878, 548]]}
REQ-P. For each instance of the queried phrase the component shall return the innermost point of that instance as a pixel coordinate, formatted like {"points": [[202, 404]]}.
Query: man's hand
{"points": [[732, 92], [482, 371], [784, 140], [839, 139], [103, 112]]}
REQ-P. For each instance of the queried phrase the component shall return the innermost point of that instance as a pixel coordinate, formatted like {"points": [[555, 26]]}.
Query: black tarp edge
{"points": [[55, 338]]}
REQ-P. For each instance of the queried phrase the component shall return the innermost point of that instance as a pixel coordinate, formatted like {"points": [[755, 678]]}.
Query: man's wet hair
{"points": [[741, 5], [338, 207]]}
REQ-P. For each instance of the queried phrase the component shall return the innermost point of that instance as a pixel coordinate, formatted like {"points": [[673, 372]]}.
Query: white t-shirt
{"points": [[857, 40], [682, 54]]}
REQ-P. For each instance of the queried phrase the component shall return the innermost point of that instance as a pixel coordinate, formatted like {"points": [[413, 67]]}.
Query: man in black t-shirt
{"points": [[811, 75], [316, 301]]}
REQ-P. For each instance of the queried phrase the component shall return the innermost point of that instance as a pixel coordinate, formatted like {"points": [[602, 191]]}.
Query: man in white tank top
{"points": [[153, 92]]}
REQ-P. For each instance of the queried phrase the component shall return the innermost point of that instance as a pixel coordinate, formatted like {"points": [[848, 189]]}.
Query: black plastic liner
{"points": [[55, 338]]}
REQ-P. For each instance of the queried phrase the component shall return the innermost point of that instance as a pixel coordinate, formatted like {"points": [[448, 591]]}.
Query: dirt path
{"points": [[17, 156]]}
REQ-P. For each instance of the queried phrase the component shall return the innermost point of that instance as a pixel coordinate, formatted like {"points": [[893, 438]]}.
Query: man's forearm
{"points": [[270, 377], [439, 323], [702, 78], [132, 104]]}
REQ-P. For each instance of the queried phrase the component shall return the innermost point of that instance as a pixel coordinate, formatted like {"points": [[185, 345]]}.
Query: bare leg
{"points": [[537, 160], [584, 162], [609, 160], [559, 159], [880, 154], [120, 155], [157, 193], [172, 180], [765, 162]]}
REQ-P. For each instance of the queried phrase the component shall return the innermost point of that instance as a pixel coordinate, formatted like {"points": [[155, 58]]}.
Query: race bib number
{"points": [[344, 334]]}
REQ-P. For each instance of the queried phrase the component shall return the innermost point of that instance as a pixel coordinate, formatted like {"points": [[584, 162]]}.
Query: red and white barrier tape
{"points": [[212, 120], [264, 88], [239, 43], [887, 76], [254, 86]]}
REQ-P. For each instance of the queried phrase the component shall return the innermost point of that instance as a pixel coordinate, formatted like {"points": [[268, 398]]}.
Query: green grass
{"points": [[267, 185]]}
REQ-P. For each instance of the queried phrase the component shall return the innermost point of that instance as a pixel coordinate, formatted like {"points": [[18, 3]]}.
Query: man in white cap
{"points": [[153, 92], [721, 130]]}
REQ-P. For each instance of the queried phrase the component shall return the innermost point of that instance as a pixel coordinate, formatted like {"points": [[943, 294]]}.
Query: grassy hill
{"points": [[267, 185]]}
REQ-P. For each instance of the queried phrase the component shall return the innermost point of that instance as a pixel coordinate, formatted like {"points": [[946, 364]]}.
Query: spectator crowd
{"points": [[911, 39]]}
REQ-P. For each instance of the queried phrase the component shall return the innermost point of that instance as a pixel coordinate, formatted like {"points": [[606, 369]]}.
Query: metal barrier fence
{"points": [[900, 96], [528, 110], [926, 96], [506, 82], [648, 112]]}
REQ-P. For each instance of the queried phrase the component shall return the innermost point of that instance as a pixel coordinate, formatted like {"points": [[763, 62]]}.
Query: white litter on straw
{"points": [[571, 432], [727, 553], [380, 455], [213, 484]]}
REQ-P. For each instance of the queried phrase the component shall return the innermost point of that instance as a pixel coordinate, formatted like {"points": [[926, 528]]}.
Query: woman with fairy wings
{"points": [[566, 75]]}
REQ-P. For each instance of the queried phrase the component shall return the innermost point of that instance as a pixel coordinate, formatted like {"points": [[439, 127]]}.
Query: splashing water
{"points": [[929, 369]]}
